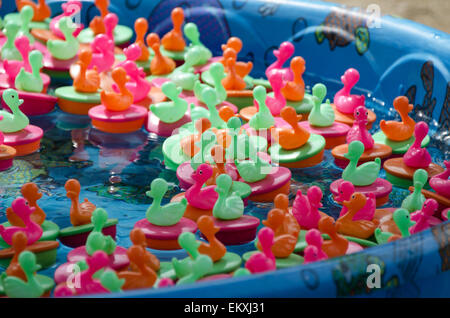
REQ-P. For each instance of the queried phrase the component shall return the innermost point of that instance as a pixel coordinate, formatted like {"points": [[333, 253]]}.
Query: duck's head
{"points": [[298, 65], [171, 90], [102, 43], [188, 241], [357, 201], [234, 42], [119, 76], [21, 208], [136, 255], [31, 191], [311, 253], [66, 26], [132, 52], [11, 29], [26, 14], [420, 178], [350, 77], [131, 68], [73, 188], [429, 207], [421, 130], [346, 189], [203, 173], [99, 217], [402, 105], [22, 44], [275, 218], [152, 39], [35, 58], [319, 92], [315, 195], [98, 260], [289, 115], [137, 237], [226, 112], [230, 54], [19, 242], [85, 56], [110, 21], [281, 201], [11, 98], [355, 150], [192, 33], [217, 71], [313, 237], [266, 236], [223, 184], [27, 261], [209, 96], [326, 225], [177, 16], [285, 51], [259, 93], [158, 188], [402, 219], [361, 115], [205, 224]]}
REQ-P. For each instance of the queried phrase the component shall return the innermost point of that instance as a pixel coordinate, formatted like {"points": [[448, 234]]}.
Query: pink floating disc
{"points": [[335, 130], [380, 188], [118, 260], [184, 173], [196, 102], [34, 103], [154, 125], [7, 82], [277, 178], [166, 233], [25, 136], [215, 277], [240, 231], [353, 248], [159, 81], [63, 272]]}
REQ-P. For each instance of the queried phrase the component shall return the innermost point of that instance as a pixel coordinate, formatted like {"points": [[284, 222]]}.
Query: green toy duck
{"points": [[381, 237], [415, 200], [241, 272], [229, 206], [197, 112], [362, 175], [217, 72], [168, 214], [17, 120], [111, 282], [68, 48], [173, 111], [26, 15], [207, 140], [403, 221], [255, 169], [17, 288], [193, 35], [31, 82], [190, 244], [9, 50], [183, 76], [263, 119], [96, 240], [209, 97], [201, 266], [236, 149], [321, 115]]}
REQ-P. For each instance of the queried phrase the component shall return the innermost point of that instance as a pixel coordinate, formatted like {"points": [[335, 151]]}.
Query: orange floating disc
{"points": [[191, 212], [349, 119], [270, 196], [305, 163], [398, 168], [378, 150]]}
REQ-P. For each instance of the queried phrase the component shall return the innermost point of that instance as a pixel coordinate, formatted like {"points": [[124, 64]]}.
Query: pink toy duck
{"points": [[137, 84], [111, 20], [359, 130], [346, 189], [344, 101], [311, 254], [102, 53], [198, 196], [284, 52], [424, 216], [87, 284], [416, 156], [277, 102], [263, 261], [165, 282], [70, 8], [314, 238], [306, 208], [440, 182], [32, 230], [132, 53]]}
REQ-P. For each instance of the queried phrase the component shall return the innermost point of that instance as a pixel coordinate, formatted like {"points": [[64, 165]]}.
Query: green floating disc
{"points": [[144, 64], [15, 17], [302, 107], [122, 34], [74, 230], [402, 182], [69, 93], [174, 55], [45, 259], [50, 232], [398, 147], [46, 282], [315, 145], [259, 81], [292, 260]]}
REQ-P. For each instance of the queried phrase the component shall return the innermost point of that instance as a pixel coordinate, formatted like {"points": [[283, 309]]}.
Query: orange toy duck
{"points": [[291, 138], [80, 213], [144, 276], [188, 143], [361, 228], [141, 27], [337, 245], [41, 9], [233, 81], [400, 131], [160, 65], [118, 101], [234, 43], [295, 90], [86, 81], [137, 237], [30, 192], [97, 25], [242, 68], [173, 40], [214, 248], [19, 244]]}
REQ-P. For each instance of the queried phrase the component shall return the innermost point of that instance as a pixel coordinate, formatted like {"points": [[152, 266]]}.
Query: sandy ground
{"points": [[434, 13]]}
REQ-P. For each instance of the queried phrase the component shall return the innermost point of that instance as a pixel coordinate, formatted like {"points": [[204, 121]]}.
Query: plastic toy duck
{"points": [[26, 15], [184, 75], [160, 64], [344, 101], [32, 230], [416, 199], [137, 237], [263, 119], [30, 192], [337, 245], [263, 261], [416, 156], [144, 276], [255, 169], [311, 254], [173, 40], [306, 207], [41, 9], [359, 130], [234, 43], [193, 35], [346, 190], [68, 48], [96, 240], [17, 120], [198, 196], [399, 131], [207, 140], [102, 53], [295, 90], [217, 72], [170, 112], [19, 244], [232, 82], [131, 54], [423, 216], [404, 223], [190, 244], [168, 214], [69, 8], [294, 137], [28, 288], [286, 230], [80, 213], [441, 183], [314, 238], [361, 228], [118, 101], [188, 143], [86, 81], [321, 115], [242, 69], [214, 248], [97, 24], [228, 206], [277, 102], [9, 50], [12, 67], [284, 52], [362, 175], [137, 84], [201, 266], [31, 82], [141, 27]]}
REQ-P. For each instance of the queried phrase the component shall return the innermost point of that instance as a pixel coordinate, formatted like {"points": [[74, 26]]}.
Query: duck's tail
{"points": [[378, 161]]}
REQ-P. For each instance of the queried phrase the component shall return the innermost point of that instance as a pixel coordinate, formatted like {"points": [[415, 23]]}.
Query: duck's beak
{"points": [[20, 102]]}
